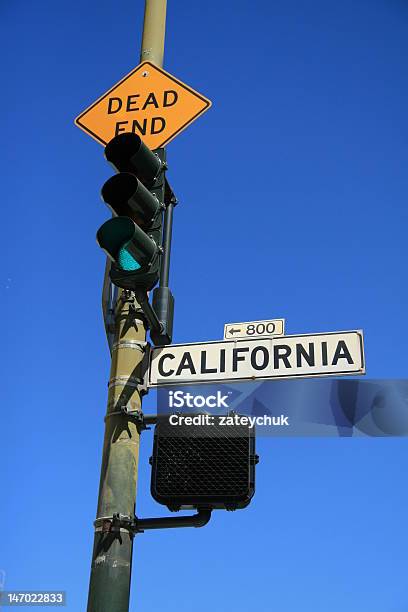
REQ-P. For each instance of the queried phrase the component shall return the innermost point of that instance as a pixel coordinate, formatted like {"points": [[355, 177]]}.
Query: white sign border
{"points": [[360, 372]]}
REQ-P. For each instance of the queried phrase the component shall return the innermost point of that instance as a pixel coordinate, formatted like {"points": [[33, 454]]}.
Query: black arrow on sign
{"points": [[234, 331]]}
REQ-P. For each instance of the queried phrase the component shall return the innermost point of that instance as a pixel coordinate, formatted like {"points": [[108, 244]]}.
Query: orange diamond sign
{"points": [[148, 101]]}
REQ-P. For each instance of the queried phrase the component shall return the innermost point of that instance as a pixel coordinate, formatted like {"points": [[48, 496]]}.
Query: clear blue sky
{"points": [[293, 203]]}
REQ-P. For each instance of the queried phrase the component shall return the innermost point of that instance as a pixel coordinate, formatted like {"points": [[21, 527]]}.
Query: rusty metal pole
{"points": [[152, 50], [154, 28], [109, 589]]}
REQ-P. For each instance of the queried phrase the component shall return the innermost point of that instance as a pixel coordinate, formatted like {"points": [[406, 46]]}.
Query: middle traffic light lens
{"points": [[126, 261], [127, 196]]}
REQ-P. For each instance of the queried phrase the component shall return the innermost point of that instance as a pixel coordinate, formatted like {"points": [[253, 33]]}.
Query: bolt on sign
{"points": [[149, 102]]}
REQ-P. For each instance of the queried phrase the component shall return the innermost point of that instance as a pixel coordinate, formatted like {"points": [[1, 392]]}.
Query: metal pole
{"points": [[109, 589], [165, 264], [154, 27]]}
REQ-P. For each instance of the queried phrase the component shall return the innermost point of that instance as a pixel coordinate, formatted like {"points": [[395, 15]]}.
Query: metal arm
{"points": [[196, 520], [135, 525]]}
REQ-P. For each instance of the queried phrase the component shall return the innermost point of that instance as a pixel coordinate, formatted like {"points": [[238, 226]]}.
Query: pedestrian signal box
{"points": [[208, 464]]}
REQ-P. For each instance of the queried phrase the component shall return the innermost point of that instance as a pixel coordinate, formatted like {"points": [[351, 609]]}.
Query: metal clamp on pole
{"points": [[135, 415]]}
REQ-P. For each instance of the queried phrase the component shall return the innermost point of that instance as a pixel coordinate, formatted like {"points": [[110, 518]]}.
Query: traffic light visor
{"points": [[128, 153], [127, 196]]}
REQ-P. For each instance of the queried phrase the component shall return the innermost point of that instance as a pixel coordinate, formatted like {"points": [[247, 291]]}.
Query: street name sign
{"points": [[254, 329], [149, 102], [322, 354]]}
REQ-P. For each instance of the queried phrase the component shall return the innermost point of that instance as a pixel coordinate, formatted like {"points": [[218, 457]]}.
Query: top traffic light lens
{"points": [[128, 153]]}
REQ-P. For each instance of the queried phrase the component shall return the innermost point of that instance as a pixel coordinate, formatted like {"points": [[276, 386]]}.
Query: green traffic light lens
{"points": [[126, 244], [126, 261]]}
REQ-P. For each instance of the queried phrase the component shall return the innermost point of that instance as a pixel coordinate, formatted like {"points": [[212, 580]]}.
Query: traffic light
{"points": [[203, 465], [133, 238]]}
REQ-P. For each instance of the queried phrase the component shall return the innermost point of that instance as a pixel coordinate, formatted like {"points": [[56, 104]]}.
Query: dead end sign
{"points": [[148, 101]]}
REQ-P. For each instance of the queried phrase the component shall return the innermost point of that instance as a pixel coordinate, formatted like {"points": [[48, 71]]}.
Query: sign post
{"points": [[111, 568]]}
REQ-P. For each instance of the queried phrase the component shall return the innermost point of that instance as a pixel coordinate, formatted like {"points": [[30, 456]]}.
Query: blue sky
{"points": [[293, 191]]}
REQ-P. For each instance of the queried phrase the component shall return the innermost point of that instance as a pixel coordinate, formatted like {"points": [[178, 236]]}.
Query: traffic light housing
{"points": [[203, 465], [133, 238]]}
